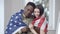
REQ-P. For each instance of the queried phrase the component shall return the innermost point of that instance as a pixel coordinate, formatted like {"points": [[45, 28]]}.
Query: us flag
{"points": [[41, 23], [15, 23]]}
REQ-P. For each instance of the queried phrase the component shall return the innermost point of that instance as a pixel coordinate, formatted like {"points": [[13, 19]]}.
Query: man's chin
{"points": [[29, 16]]}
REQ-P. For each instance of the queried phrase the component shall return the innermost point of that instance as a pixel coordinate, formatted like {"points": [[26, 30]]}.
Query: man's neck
{"points": [[24, 15]]}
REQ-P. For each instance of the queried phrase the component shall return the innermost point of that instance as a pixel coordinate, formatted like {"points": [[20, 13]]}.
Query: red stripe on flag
{"points": [[45, 30], [41, 22]]}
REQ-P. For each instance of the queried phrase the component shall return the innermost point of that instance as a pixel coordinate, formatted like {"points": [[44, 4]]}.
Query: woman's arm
{"points": [[32, 29], [42, 32]]}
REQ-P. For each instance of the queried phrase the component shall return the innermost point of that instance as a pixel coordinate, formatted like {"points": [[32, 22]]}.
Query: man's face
{"points": [[28, 10]]}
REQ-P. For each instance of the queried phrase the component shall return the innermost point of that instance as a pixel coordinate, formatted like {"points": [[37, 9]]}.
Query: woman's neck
{"points": [[38, 17]]}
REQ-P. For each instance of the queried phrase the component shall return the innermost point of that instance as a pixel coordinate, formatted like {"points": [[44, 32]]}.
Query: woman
{"points": [[39, 24]]}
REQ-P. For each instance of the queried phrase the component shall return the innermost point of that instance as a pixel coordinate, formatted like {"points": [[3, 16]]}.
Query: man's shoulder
{"points": [[19, 13]]}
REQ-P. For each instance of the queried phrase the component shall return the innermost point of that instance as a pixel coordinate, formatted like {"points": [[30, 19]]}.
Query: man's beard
{"points": [[29, 16]]}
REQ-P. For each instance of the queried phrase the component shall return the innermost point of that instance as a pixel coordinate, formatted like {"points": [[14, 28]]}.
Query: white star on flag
{"points": [[19, 14], [10, 24], [10, 28], [11, 20], [16, 17]]}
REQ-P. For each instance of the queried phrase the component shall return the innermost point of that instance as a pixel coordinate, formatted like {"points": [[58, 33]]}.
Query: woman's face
{"points": [[36, 12]]}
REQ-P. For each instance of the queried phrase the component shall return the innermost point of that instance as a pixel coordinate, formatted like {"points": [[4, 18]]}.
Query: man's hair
{"points": [[31, 3]]}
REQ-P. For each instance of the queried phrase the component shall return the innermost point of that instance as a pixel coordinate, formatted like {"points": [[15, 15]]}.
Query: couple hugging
{"points": [[31, 19]]}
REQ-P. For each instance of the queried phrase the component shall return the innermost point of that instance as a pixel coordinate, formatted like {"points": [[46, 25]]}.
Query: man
{"points": [[20, 20]]}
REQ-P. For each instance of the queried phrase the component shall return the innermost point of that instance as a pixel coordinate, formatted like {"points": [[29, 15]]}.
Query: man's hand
{"points": [[24, 29]]}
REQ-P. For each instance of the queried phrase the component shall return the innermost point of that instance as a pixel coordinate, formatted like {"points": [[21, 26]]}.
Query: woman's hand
{"points": [[32, 29], [30, 26]]}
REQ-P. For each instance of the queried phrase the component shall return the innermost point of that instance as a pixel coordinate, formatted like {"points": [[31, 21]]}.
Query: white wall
{"points": [[1, 16], [51, 24], [11, 7], [57, 9]]}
